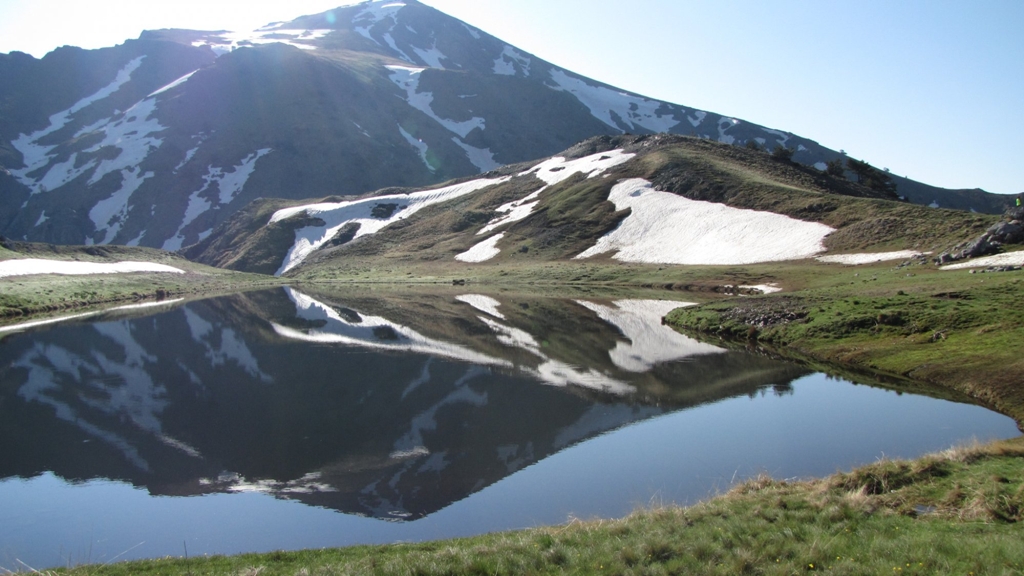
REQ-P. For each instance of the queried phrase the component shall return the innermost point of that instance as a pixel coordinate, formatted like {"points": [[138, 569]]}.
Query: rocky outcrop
{"points": [[991, 242]]}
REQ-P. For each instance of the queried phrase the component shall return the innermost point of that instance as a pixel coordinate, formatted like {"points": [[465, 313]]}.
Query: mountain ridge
{"points": [[345, 102], [574, 205]]}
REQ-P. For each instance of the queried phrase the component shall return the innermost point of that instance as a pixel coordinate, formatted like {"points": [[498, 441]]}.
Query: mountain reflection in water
{"points": [[385, 406]]}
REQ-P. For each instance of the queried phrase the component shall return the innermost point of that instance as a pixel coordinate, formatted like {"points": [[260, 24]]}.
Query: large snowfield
{"points": [[664, 228], [29, 266]]}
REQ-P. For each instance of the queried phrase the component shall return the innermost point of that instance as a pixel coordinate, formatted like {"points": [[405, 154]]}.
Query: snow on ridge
{"points": [[36, 156], [482, 251], [485, 304], [664, 228], [868, 258], [374, 12], [649, 341], [407, 78], [230, 41], [174, 84], [30, 266], [725, 124], [371, 332], [553, 171], [557, 169], [782, 136], [1006, 259], [504, 64], [603, 102], [338, 214]]}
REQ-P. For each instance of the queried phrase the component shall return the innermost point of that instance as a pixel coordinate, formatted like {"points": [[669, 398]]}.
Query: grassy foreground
{"points": [[37, 295], [956, 512]]}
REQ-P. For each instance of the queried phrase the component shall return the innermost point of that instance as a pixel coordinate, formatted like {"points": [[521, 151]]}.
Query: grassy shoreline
{"points": [[955, 512]]}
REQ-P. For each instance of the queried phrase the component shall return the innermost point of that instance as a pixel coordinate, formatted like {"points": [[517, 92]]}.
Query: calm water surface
{"points": [[285, 420]]}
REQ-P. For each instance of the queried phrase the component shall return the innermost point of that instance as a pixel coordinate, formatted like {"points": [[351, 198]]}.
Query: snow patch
{"points": [[132, 134], [557, 169], [419, 145], [431, 57], [782, 137], [36, 156], [485, 304], [222, 344], [723, 125], [555, 372], [111, 213], [633, 111], [764, 288], [483, 251], [28, 266], [1007, 259], [472, 32], [230, 41], [697, 118], [821, 166], [669, 229], [177, 82], [371, 332], [229, 185], [408, 79], [649, 341], [856, 259], [552, 172], [505, 63], [482, 158], [336, 215]]}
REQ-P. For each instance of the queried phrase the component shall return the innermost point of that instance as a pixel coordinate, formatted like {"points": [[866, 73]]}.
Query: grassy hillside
{"points": [[571, 215]]}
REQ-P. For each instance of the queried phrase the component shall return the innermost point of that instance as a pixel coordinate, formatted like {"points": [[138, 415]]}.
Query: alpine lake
{"points": [[293, 418]]}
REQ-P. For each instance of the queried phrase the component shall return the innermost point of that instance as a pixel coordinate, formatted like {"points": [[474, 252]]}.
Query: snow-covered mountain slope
{"points": [[158, 140], [657, 199]]}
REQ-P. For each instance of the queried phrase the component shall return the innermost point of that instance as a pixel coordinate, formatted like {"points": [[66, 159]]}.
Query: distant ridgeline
{"points": [[158, 140]]}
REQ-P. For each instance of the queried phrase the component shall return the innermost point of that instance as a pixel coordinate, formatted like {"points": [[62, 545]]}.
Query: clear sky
{"points": [[932, 89]]}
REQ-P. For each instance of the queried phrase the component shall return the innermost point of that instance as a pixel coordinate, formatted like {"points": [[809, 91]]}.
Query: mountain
{"points": [[656, 199], [158, 140]]}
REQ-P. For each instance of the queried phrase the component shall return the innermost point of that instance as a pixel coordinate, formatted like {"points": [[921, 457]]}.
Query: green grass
{"points": [[39, 295], [959, 330], [957, 512]]}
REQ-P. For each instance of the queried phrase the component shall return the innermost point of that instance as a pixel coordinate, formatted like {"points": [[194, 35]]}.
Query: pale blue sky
{"points": [[931, 89]]}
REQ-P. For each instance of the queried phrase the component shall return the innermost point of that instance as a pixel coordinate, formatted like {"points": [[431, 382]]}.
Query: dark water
{"points": [[281, 420]]}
